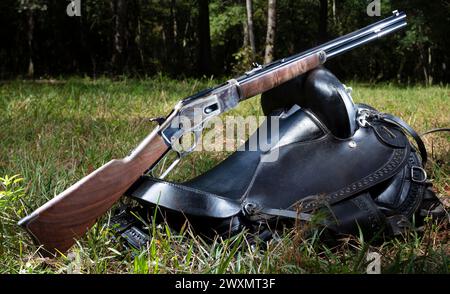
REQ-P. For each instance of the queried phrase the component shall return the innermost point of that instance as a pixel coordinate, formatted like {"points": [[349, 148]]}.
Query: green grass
{"points": [[51, 134]]}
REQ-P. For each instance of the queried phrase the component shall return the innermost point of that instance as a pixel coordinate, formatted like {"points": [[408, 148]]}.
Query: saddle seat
{"points": [[365, 175]]}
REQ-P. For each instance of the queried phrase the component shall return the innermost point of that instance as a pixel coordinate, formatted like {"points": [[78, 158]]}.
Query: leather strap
{"points": [[435, 131], [255, 212], [152, 191], [344, 217], [402, 124]]}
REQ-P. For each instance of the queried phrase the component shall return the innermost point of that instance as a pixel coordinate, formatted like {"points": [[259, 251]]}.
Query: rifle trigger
{"points": [[159, 120]]}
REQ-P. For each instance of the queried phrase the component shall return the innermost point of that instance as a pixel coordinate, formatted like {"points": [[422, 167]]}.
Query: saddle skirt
{"points": [[329, 154]]}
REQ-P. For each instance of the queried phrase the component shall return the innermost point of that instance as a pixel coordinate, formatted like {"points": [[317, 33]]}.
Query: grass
{"points": [[53, 133]]}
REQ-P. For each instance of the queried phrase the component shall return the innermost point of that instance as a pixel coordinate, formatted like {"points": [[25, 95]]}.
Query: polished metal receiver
{"points": [[183, 128]]}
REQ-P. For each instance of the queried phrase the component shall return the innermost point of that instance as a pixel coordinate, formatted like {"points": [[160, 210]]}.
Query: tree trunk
{"points": [[175, 52], [173, 16], [323, 21], [250, 31], [204, 56], [119, 10], [334, 10], [139, 44], [30, 23], [168, 27], [424, 65], [85, 57], [138, 34], [430, 67], [245, 42], [270, 37]]}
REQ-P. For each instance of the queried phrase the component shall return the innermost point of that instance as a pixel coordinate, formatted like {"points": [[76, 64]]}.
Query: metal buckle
{"points": [[363, 115], [423, 173], [253, 212], [251, 208]]}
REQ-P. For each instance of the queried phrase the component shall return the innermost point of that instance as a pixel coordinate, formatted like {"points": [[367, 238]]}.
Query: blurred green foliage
{"points": [[162, 36]]}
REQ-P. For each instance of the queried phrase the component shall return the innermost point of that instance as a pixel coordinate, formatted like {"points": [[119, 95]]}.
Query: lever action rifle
{"points": [[68, 216]]}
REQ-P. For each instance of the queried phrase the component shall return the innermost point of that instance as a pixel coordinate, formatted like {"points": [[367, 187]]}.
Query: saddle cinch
{"points": [[330, 154]]}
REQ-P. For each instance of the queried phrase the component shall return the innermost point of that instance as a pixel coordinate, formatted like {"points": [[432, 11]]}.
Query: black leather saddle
{"points": [[347, 160]]}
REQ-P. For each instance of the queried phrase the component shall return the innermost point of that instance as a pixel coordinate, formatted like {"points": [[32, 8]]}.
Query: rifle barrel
{"points": [[364, 40], [339, 45]]}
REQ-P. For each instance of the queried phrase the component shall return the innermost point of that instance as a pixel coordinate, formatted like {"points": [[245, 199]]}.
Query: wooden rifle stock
{"points": [[57, 223]]}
